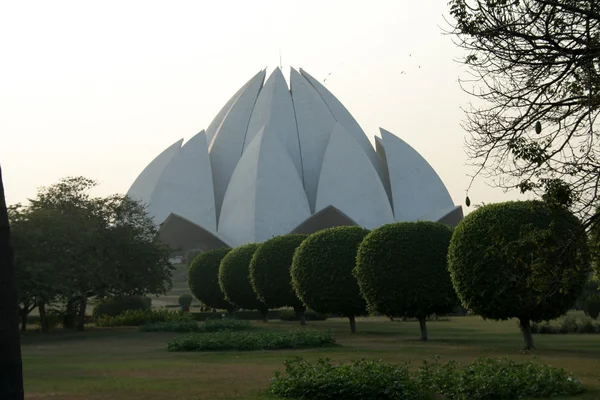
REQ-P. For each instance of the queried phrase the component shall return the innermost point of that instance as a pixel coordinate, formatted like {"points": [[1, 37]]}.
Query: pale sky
{"points": [[100, 88]]}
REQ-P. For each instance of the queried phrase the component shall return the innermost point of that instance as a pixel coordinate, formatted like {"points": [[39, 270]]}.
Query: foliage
{"points": [[73, 246], [235, 281], [172, 326], [118, 305], [270, 271], [402, 270], [226, 324], [249, 341], [533, 65], [592, 306], [203, 279], [590, 288], [520, 260], [309, 315], [567, 325], [360, 380], [496, 379], [250, 315], [142, 317], [322, 271], [185, 300]]}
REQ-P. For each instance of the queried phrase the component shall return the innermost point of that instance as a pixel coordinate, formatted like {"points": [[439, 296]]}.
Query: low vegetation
{"points": [[227, 324], [566, 325], [248, 341], [496, 378], [142, 317], [358, 380], [173, 326]]}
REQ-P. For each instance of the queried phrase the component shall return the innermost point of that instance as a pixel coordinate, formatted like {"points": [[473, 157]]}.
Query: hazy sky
{"points": [[100, 88]]}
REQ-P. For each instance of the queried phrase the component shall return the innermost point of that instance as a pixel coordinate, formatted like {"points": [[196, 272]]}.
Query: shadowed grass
{"points": [[122, 363]]}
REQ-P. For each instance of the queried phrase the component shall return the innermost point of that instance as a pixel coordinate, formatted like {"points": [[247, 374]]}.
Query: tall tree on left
{"points": [[11, 367]]}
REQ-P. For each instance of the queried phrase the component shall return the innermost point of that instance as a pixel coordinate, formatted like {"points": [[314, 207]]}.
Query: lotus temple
{"points": [[279, 159]]}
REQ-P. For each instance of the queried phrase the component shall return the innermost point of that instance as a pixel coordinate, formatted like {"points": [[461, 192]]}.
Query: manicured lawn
{"points": [[119, 364]]}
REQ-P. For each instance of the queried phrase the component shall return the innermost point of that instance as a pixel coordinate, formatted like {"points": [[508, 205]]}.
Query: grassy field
{"points": [[119, 364]]}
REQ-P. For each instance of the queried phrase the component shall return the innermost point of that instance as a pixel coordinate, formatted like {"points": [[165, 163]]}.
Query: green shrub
{"points": [[142, 317], [185, 300], [402, 270], [309, 315], [500, 379], [226, 324], [358, 380], [172, 326], [522, 260], [250, 315], [191, 255], [322, 272], [569, 325], [247, 341], [117, 305], [235, 281], [592, 306], [270, 273], [203, 279]]}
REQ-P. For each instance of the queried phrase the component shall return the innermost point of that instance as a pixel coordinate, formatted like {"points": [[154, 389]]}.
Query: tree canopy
{"points": [[203, 279], [522, 260], [270, 272], [322, 272], [402, 270], [534, 71]]}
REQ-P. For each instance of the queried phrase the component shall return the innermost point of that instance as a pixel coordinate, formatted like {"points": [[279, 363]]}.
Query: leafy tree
{"points": [[270, 273], [234, 279], [322, 272], [534, 67], [119, 304], [203, 279], [11, 367], [402, 270], [522, 260], [592, 306]]}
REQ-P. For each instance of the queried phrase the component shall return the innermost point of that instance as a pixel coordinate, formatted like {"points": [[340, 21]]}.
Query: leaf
{"points": [[538, 127], [468, 202]]}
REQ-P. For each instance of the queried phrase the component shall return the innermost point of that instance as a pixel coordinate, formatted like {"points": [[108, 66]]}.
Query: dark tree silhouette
{"points": [[11, 369], [535, 76]]}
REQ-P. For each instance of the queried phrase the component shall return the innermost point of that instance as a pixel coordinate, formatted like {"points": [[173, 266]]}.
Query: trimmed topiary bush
{"points": [[203, 279], [117, 305], [234, 279], [322, 272], [402, 271], [270, 273], [522, 260], [592, 307], [185, 300]]}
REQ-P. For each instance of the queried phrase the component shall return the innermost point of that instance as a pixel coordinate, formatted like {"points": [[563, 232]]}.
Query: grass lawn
{"points": [[119, 364]]}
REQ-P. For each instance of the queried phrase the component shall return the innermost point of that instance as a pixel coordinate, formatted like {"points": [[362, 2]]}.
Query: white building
{"points": [[277, 160]]}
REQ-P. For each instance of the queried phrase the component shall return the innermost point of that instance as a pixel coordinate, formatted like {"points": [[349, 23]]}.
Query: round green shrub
{"points": [[234, 278], [270, 272], [522, 260], [185, 300], [203, 279], [592, 307], [118, 305], [402, 270], [322, 271]]}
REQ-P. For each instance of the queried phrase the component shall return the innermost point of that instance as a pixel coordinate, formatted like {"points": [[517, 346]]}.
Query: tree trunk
{"points": [[527, 336], [11, 366], [69, 318], [264, 313], [81, 314], [24, 313], [352, 324], [423, 324], [43, 319], [301, 314]]}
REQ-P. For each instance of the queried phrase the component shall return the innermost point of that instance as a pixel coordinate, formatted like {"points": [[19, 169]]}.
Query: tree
{"points": [[11, 367], [322, 272], [402, 271], [536, 77], [524, 260], [270, 273], [234, 279], [203, 279]]}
